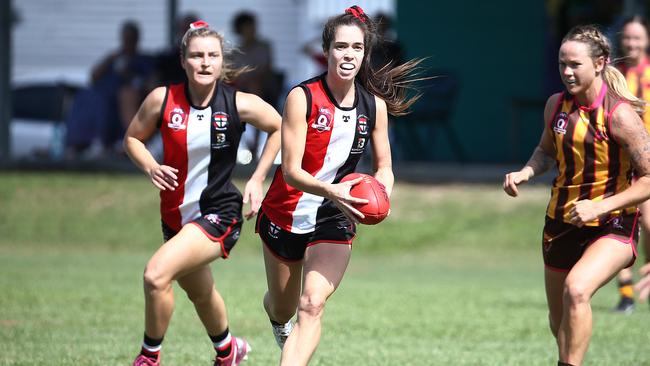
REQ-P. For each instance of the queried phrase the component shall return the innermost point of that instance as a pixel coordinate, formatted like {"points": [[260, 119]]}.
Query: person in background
{"points": [[635, 67]]}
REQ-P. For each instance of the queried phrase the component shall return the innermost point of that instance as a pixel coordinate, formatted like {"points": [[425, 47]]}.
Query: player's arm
{"points": [[142, 127], [264, 117], [542, 158], [294, 134], [628, 130], [382, 162]]}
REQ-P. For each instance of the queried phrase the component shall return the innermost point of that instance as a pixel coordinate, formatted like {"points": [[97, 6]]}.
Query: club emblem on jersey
{"points": [[362, 124], [560, 123], [323, 120], [220, 120], [274, 230], [177, 119], [213, 218]]}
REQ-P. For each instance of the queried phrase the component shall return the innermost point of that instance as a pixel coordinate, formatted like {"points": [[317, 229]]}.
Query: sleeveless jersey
{"points": [[202, 144], [638, 82], [336, 138], [591, 164]]}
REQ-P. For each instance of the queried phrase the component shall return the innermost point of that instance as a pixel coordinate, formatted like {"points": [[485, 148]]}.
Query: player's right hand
{"points": [[339, 193], [164, 177], [512, 180]]}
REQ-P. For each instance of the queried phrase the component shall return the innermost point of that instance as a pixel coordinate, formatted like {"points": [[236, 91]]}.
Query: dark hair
{"points": [[634, 19], [242, 19], [389, 82]]}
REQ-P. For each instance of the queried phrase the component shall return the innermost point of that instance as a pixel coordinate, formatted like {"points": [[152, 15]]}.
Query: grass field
{"points": [[454, 277]]}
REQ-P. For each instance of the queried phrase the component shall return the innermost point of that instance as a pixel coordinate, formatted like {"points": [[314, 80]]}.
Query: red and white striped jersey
{"points": [[336, 139], [202, 144]]}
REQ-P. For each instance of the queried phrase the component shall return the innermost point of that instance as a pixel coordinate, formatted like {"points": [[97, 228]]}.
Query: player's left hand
{"points": [[253, 194], [584, 211]]}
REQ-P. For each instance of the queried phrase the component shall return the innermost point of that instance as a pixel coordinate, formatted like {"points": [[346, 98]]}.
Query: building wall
{"points": [[498, 49]]}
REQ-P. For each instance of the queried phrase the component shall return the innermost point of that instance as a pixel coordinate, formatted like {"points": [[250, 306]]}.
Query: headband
{"points": [[199, 24], [358, 13]]}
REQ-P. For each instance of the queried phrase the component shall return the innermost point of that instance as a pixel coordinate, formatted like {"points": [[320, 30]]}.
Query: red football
{"points": [[369, 188]]}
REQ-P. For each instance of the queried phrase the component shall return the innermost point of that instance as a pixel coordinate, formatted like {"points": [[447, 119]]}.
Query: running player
{"points": [[636, 68], [201, 123], [595, 137], [307, 220]]}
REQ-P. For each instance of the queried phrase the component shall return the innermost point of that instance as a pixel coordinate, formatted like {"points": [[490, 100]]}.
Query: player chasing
{"points": [[201, 123], [594, 135], [307, 221]]}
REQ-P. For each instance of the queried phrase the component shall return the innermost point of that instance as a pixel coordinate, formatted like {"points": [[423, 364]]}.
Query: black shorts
{"points": [[222, 230], [290, 247], [563, 244]]}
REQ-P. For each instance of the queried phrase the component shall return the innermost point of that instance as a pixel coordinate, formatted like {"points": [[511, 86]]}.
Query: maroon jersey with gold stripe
{"points": [[591, 164]]}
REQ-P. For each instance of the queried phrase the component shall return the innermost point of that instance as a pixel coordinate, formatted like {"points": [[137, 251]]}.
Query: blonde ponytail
{"points": [[618, 86]]}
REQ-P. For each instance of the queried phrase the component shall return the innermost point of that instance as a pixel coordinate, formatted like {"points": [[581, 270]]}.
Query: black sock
{"points": [[222, 343], [560, 363], [151, 347]]}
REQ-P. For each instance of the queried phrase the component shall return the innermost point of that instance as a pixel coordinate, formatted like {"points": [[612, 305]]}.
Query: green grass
{"points": [[453, 277]]}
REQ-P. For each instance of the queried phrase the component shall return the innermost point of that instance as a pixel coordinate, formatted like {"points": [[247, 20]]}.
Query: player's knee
{"points": [[575, 293], [311, 305], [154, 279]]}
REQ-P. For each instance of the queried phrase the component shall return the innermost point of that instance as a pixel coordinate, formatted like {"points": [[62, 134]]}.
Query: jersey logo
{"points": [[560, 123], [362, 124], [346, 118], [323, 120], [177, 119], [220, 120], [359, 146]]}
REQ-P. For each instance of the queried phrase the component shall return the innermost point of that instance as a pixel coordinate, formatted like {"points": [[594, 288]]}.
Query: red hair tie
{"points": [[357, 12], [199, 24]]}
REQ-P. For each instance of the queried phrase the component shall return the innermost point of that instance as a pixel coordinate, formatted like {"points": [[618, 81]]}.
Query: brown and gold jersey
{"points": [[591, 164], [638, 82]]}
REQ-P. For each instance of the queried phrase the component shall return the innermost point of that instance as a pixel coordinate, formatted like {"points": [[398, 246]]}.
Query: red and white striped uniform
{"points": [[336, 139], [202, 144]]}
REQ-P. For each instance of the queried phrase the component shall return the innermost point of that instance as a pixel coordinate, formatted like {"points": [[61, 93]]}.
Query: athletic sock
{"points": [[221, 343], [151, 347], [626, 289]]}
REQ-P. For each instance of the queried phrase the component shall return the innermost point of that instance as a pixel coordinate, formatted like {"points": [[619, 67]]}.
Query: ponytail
{"points": [[618, 86], [599, 46]]}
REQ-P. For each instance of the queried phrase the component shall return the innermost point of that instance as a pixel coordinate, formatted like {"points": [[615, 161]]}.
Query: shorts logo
{"points": [[214, 219], [274, 230], [362, 124], [177, 119], [220, 120], [323, 120], [617, 223], [235, 235], [560, 123]]}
